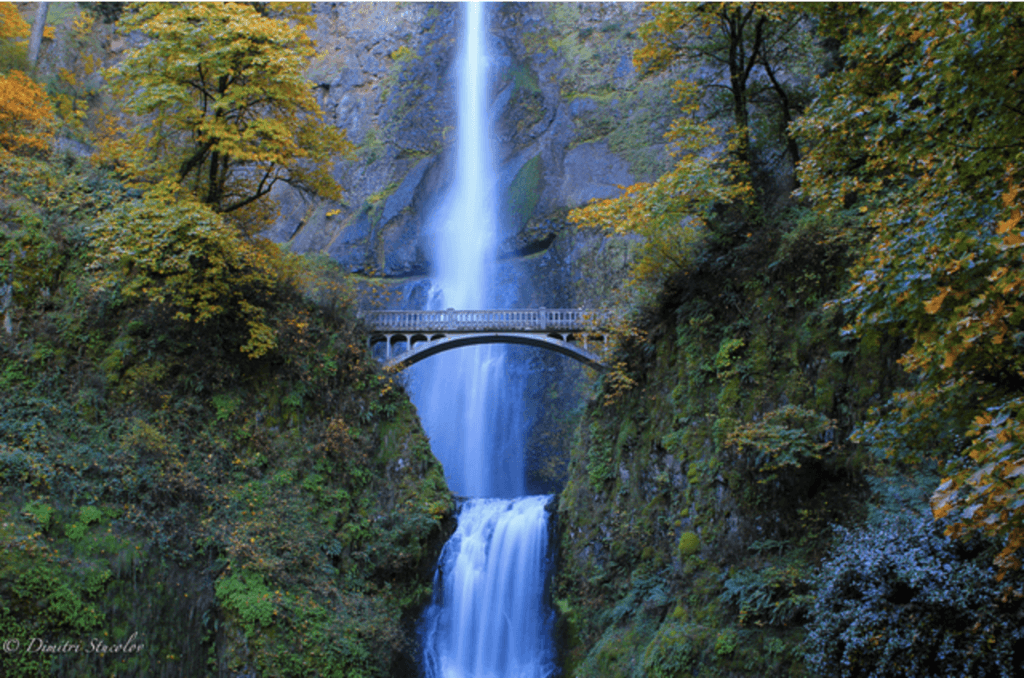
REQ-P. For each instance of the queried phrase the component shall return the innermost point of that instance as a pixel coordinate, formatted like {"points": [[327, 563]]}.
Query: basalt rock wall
{"points": [[573, 122]]}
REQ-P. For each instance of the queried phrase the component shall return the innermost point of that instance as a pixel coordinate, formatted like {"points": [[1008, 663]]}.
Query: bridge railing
{"points": [[522, 320]]}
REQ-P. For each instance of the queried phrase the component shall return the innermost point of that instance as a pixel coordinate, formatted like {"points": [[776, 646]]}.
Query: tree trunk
{"points": [[35, 40]]}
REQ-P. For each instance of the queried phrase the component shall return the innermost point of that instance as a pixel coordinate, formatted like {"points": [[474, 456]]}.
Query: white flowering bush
{"points": [[900, 599]]}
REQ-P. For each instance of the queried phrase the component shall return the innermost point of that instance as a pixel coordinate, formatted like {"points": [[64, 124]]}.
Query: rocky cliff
{"points": [[572, 123]]}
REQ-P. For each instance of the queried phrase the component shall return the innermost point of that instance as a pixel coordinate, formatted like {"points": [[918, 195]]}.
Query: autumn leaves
{"points": [[26, 117]]}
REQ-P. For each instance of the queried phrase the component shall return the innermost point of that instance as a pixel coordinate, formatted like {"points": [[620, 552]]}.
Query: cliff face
{"points": [[206, 512], [704, 480], [573, 123]]}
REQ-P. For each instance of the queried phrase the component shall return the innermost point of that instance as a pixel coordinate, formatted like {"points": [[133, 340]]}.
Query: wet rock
{"points": [[349, 248], [592, 171]]}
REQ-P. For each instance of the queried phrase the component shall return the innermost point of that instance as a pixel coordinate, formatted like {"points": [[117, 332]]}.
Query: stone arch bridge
{"points": [[411, 336]]}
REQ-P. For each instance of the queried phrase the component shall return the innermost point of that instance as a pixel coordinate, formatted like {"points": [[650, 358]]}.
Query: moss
{"points": [[649, 106], [689, 544], [524, 80], [523, 194], [173, 465]]}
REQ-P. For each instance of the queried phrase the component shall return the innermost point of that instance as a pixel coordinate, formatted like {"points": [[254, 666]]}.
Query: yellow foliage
{"points": [[12, 25], [25, 114], [985, 494], [82, 25], [933, 305], [169, 250], [671, 215], [229, 112]]}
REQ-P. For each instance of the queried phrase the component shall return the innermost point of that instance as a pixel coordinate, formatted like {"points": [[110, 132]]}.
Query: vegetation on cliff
{"points": [[280, 512], [806, 460], [201, 469], [760, 402]]}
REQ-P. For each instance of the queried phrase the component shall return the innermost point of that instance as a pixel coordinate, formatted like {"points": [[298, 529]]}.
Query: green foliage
{"points": [[600, 457], [40, 600], [41, 513], [89, 514], [86, 516], [724, 359], [774, 595], [245, 594], [725, 643], [672, 652], [913, 134]]}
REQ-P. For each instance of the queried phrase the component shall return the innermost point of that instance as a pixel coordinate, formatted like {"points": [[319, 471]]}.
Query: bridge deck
{"points": [[511, 320]]}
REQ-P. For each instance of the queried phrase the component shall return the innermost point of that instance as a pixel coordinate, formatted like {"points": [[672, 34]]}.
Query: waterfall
{"points": [[489, 617], [470, 406]]}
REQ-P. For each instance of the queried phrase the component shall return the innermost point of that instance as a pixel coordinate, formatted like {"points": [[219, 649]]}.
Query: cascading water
{"points": [[488, 617], [467, 402]]}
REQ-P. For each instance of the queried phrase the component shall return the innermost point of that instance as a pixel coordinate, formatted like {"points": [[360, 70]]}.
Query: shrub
{"points": [[899, 600], [772, 595], [672, 651], [784, 440], [26, 116]]}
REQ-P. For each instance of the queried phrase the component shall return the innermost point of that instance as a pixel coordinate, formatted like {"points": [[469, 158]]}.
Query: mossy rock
{"points": [[689, 544]]}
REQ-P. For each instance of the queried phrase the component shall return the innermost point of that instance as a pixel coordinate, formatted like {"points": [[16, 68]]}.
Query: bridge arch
{"points": [[423, 350], [422, 334]]}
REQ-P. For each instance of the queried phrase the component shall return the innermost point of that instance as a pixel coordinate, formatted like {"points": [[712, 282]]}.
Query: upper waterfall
{"points": [[469, 402], [466, 232]]}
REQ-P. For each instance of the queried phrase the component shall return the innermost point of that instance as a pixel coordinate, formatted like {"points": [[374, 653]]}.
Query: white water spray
{"points": [[488, 617]]}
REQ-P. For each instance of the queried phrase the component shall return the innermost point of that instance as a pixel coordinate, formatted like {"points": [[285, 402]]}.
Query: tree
{"points": [[13, 31], [12, 24], [919, 135], [751, 41], [752, 44], [25, 115], [25, 112], [671, 214], [229, 113]]}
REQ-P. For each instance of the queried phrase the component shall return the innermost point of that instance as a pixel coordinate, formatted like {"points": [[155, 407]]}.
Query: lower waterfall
{"points": [[489, 617]]}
